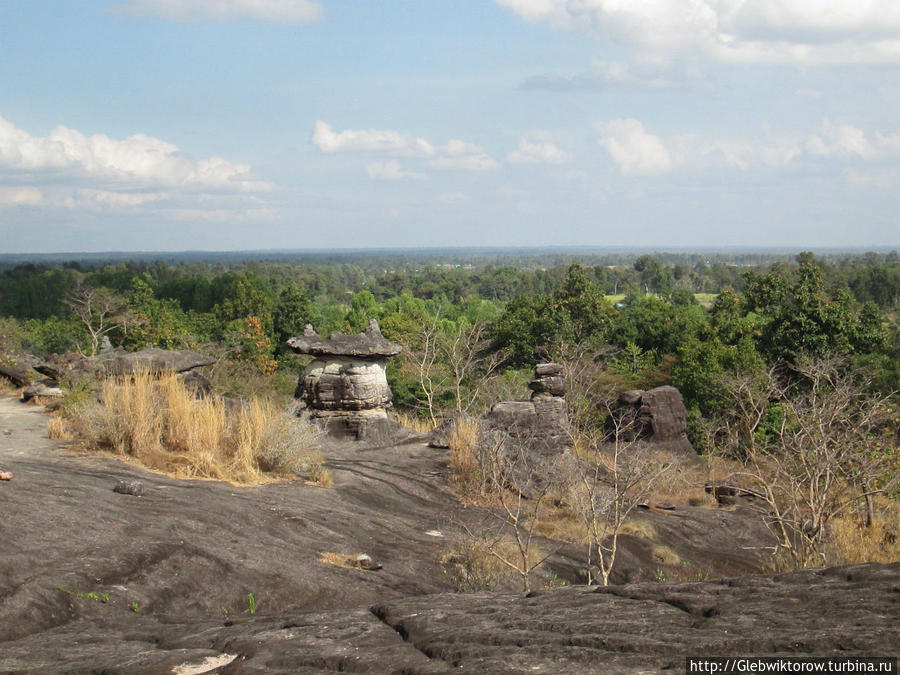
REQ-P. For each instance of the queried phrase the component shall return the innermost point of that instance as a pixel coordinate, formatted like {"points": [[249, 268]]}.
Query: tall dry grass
{"points": [[416, 423], [852, 542], [159, 423], [464, 461]]}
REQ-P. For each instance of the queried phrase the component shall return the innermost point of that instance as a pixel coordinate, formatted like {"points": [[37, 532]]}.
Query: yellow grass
{"points": [[159, 423], [350, 562], [855, 543], [416, 423], [58, 429], [463, 461]]}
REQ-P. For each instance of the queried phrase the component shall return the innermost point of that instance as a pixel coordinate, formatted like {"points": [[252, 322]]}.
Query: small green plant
{"points": [[252, 601], [135, 607], [86, 596], [661, 576]]}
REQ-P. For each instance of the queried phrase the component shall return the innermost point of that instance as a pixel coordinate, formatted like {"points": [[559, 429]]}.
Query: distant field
{"points": [[705, 299]]}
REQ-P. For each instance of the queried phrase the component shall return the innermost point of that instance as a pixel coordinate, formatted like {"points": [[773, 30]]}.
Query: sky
{"points": [[166, 125]]}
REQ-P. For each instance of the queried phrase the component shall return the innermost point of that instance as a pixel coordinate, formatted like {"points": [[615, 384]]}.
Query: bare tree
{"points": [[811, 449], [422, 355], [451, 358], [99, 310], [615, 474], [517, 485], [472, 364]]}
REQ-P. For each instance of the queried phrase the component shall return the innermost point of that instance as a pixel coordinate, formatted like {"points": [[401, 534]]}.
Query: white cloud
{"points": [[633, 149], [455, 154], [803, 31], [391, 170], [474, 162], [20, 196], [696, 152], [452, 198], [538, 152], [392, 142], [136, 160], [601, 75], [280, 11], [91, 199], [222, 215], [637, 152]]}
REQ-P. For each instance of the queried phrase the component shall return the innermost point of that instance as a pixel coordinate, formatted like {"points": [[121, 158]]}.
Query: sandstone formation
{"points": [[656, 416], [345, 387], [18, 377], [541, 423]]}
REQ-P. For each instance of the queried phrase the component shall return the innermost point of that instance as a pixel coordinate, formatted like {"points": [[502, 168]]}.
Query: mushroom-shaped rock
{"points": [[346, 383], [369, 344]]}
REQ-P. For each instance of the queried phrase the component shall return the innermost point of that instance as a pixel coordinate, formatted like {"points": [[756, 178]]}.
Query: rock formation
{"points": [[541, 422], [345, 387], [656, 416]]}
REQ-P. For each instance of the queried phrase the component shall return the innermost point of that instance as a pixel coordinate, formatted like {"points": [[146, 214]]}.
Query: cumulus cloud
{"points": [[279, 11], [803, 31], [538, 152], [636, 151], [138, 159], [393, 142], [391, 170], [455, 154]]}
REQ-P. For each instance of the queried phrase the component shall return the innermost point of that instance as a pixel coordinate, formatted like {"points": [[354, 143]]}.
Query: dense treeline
{"points": [[691, 323]]}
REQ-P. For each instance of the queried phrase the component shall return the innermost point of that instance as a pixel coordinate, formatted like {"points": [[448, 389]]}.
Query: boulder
{"points": [[17, 376], [656, 416], [152, 359], [41, 390], [542, 423], [344, 383], [440, 435], [548, 380]]}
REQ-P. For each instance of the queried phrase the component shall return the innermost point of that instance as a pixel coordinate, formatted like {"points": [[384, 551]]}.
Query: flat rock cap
{"points": [[369, 343]]}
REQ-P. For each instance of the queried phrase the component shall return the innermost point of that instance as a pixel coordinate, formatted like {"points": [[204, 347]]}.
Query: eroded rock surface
{"points": [[541, 423], [178, 563], [656, 416]]}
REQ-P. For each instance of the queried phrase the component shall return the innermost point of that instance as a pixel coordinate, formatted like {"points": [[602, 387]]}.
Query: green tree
{"points": [[292, 313]]}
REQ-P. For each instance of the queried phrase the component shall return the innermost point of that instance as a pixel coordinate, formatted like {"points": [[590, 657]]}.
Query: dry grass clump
{"points": [[312, 465], [475, 565], [158, 422], [853, 542], [58, 429], [416, 423], [464, 462]]}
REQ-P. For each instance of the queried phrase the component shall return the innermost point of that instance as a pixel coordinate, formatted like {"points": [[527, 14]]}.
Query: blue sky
{"points": [[255, 124]]}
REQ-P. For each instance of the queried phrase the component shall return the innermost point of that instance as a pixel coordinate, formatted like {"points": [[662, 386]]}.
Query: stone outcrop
{"points": [[657, 416], [151, 359], [542, 422], [345, 387], [18, 377]]}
